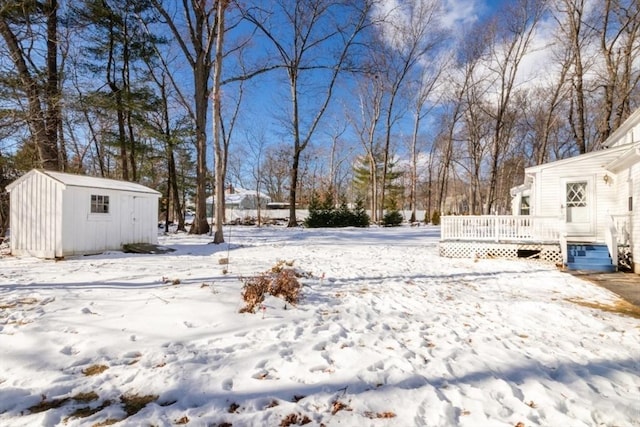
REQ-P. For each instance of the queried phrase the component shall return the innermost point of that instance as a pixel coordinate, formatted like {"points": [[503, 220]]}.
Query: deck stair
{"points": [[589, 257]]}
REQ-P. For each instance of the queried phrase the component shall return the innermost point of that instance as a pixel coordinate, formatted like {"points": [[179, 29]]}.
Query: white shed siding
{"points": [[36, 203], [51, 215], [95, 232]]}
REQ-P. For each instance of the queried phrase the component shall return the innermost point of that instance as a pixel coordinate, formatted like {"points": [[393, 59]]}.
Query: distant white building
{"points": [[54, 214], [240, 198]]}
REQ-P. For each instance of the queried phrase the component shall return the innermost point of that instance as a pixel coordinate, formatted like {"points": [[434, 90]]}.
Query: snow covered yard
{"points": [[387, 334]]}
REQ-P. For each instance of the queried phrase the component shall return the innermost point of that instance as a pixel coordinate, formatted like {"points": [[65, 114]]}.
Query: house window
{"points": [[630, 204], [524, 205], [99, 204], [576, 194]]}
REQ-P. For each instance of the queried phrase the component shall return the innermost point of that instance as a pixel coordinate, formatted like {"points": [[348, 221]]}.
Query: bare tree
{"points": [[577, 31], [314, 37], [197, 46], [219, 154], [370, 94], [544, 118], [423, 91], [620, 47], [411, 33], [512, 43], [339, 154], [450, 122], [276, 173]]}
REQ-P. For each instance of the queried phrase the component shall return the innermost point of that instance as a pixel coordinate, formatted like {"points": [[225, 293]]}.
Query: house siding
{"points": [[551, 178], [634, 190]]}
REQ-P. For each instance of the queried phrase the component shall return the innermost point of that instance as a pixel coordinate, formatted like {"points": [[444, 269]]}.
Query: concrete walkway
{"points": [[625, 285]]}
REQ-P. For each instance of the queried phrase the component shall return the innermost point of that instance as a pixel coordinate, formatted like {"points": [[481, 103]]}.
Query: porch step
{"points": [[589, 257]]}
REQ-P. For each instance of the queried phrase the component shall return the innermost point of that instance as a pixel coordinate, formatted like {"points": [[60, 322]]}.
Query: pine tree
{"points": [[119, 46]]}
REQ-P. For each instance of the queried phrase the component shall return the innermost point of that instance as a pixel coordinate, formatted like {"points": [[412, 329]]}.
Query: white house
{"points": [[54, 214], [240, 198], [591, 199]]}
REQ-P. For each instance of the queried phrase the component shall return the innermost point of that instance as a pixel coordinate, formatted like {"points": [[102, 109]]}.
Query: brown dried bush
{"points": [[254, 290], [285, 285], [279, 281]]}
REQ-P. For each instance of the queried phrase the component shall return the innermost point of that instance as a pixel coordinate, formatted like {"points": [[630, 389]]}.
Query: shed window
{"points": [[99, 204]]}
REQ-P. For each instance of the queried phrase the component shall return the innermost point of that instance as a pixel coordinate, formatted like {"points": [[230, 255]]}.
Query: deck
{"points": [[501, 236], [524, 236]]}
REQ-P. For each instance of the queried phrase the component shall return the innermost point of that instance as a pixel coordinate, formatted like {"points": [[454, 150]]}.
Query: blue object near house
{"points": [[589, 257]]}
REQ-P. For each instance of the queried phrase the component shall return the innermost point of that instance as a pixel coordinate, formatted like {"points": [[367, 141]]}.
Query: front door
{"points": [[578, 206]]}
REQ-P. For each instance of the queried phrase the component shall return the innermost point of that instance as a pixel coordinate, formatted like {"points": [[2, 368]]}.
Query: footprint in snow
{"points": [[68, 350], [286, 354], [322, 345], [378, 366], [227, 384]]}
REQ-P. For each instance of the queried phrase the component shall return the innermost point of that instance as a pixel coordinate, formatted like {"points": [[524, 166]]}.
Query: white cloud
{"points": [[459, 13]]}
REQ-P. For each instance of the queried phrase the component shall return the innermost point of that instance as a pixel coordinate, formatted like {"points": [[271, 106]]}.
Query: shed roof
{"points": [[72, 180]]}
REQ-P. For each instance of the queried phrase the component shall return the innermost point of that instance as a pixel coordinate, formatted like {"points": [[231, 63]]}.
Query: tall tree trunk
{"points": [[173, 177], [48, 155], [200, 35], [53, 119], [578, 121], [200, 224], [220, 160], [297, 148]]}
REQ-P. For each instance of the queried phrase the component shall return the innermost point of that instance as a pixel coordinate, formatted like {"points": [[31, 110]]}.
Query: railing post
{"points": [[611, 238], [563, 249]]}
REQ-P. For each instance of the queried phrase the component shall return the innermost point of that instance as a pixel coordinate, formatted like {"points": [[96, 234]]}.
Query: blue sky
{"points": [[268, 96]]}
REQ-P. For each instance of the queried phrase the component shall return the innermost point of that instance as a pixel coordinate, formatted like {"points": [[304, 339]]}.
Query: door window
{"points": [[576, 194]]}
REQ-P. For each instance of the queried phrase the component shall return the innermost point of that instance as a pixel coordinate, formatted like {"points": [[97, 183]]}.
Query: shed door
{"points": [[578, 207], [131, 228]]}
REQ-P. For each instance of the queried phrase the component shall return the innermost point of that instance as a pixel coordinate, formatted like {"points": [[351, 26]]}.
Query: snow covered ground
{"points": [[387, 334]]}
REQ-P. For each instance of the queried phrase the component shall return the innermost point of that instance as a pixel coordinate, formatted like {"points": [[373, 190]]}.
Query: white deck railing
{"points": [[622, 225], [617, 233], [496, 228]]}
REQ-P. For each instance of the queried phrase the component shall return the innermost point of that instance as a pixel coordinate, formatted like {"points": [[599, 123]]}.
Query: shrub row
{"points": [[329, 216]]}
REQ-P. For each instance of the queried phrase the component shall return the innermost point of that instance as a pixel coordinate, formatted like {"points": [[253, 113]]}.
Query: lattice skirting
{"points": [[542, 252], [625, 258]]}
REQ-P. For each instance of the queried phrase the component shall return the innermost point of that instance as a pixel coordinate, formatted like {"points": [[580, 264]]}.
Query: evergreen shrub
{"points": [[392, 218], [435, 218], [324, 214]]}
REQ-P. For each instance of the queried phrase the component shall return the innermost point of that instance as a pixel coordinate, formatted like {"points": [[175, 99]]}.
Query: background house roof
{"points": [[239, 195]]}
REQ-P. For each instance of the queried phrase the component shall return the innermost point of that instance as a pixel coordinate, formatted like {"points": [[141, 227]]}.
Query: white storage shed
{"points": [[54, 214]]}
